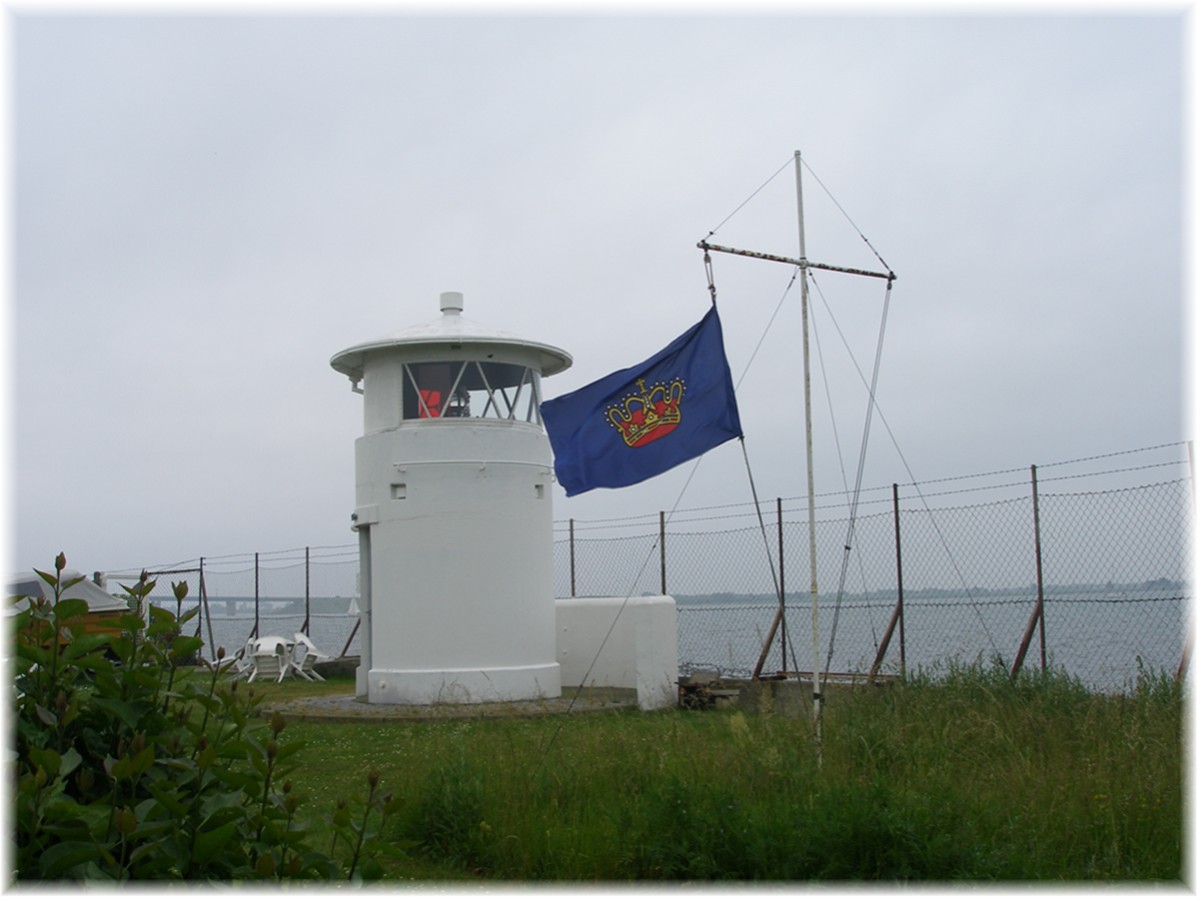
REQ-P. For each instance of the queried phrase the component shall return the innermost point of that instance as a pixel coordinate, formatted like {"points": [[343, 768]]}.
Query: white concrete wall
{"points": [[461, 562], [641, 652], [383, 382]]}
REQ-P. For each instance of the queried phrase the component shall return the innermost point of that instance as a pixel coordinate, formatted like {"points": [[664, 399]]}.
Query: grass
{"points": [[962, 777]]}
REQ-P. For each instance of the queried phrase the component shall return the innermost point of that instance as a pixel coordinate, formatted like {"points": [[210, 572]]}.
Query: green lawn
{"points": [[966, 777]]}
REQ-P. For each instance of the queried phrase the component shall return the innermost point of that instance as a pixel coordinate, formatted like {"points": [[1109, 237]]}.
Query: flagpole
{"points": [[808, 456]]}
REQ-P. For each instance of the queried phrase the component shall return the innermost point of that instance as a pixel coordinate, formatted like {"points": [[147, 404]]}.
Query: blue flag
{"points": [[641, 421]]}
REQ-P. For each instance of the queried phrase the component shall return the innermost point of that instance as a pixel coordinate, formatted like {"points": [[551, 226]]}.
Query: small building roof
{"points": [[455, 331], [30, 584]]}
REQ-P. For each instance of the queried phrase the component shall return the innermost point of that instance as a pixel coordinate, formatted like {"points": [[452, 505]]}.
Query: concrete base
{"points": [[624, 643], [495, 685], [788, 699]]}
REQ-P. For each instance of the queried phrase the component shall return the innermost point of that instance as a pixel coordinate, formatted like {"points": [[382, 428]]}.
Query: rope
{"points": [[748, 199]]}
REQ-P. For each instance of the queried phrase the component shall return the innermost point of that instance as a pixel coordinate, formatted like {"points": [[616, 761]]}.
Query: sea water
{"points": [[333, 634], [1103, 639]]}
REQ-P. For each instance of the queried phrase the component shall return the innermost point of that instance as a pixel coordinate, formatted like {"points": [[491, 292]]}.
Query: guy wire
{"points": [[748, 199]]}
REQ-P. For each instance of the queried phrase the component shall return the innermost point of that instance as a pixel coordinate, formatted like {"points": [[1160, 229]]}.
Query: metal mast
{"points": [[808, 459], [804, 265]]}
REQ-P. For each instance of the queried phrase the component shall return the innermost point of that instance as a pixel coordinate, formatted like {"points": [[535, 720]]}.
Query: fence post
{"points": [[778, 621], [662, 552], [900, 583], [898, 611], [307, 610], [783, 667], [256, 594], [1037, 539], [1038, 617], [1185, 658], [200, 612], [212, 644], [571, 544]]}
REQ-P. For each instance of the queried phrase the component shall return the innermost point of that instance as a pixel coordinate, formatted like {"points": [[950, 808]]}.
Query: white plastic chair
{"points": [[243, 661], [305, 656], [296, 663], [270, 659]]}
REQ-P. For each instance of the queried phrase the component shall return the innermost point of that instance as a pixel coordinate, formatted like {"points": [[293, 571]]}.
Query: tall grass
{"points": [[960, 775]]}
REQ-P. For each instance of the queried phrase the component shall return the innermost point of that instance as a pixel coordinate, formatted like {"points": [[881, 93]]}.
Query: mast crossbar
{"points": [[802, 263]]}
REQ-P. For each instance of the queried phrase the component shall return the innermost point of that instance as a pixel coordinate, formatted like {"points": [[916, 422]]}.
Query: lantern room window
{"points": [[471, 389]]}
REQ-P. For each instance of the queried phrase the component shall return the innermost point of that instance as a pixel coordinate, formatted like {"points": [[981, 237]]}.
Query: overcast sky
{"points": [[206, 208]]}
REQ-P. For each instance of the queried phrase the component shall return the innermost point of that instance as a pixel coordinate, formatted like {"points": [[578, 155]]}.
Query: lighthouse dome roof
{"points": [[453, 331]]}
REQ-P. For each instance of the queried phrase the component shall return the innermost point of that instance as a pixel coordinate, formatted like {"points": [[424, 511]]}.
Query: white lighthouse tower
{"points": [[453, 513]]}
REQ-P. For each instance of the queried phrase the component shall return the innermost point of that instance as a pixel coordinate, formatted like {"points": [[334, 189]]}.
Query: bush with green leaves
{"points": [[130, 766]]}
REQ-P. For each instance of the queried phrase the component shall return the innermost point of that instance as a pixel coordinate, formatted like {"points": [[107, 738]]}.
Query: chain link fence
{"points": [[1086, 571], [991, 569], [234, 598]]}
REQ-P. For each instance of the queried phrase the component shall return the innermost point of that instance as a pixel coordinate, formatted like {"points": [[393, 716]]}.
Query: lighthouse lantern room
{"points": [[453, 513]]}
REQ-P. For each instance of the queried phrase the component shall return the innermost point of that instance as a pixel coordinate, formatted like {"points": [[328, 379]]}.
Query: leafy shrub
{"points": [[129, 767]]}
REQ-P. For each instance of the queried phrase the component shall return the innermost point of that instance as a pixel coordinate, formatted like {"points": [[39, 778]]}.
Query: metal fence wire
{"points": [[1094, 583], [235, 598], [1073, 567]]}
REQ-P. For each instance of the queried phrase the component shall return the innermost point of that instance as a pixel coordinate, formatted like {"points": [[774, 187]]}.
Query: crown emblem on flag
{"points": [[647, 415]]}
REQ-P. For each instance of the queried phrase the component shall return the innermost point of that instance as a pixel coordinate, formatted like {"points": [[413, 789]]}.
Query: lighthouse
{"points": [[453, 476]]}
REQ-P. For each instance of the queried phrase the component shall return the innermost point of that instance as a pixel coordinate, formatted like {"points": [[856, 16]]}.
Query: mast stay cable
{"points": [[802, 268], [873, 405], [913, 483], [862, 458]]}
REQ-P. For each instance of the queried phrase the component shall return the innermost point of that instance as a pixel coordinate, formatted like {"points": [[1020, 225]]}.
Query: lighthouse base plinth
{"points": [[496, 685]]}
